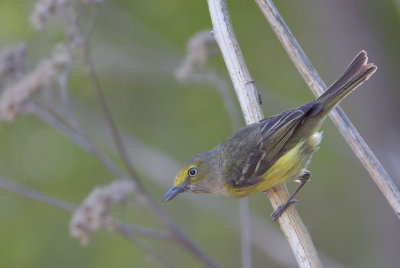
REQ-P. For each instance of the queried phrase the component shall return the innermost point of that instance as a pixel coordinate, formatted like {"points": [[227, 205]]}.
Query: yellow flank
{"points": [[288, 166]]}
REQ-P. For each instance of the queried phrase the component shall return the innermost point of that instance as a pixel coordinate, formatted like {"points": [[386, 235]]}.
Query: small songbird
{"points": [[272, 151]]}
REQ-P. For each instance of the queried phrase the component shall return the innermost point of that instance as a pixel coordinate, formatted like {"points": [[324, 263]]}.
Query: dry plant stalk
{"points": [[339, 118], [126, 230], [290, 222], [95, 212], [12, 63], [200, 48], [20, 97], [42, 78]]}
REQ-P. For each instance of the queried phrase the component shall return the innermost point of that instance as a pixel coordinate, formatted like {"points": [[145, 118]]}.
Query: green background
{"points": [[136, 47]]}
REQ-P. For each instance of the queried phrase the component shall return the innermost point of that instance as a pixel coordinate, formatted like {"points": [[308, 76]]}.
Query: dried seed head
{"points": [[61, 56], [92, 1], [41, 78], [13, 62], [43, 9], [199, 49], [13, 97], [94, 213]]}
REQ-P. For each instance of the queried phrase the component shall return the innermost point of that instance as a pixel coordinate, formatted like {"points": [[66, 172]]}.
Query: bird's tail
{"points": [[357, 72]]}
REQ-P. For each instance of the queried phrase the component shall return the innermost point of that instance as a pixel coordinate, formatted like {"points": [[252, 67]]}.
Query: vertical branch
{"points": [[224, 91], [199, 49], [76, 136], [146, 248], [245, 232], [126, 230], [35, 195], [339, 118], [290, 222], [116, 138], [107, 114], [178, 235]]}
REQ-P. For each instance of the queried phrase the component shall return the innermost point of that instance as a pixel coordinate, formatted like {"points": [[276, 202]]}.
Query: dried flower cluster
{"points": [[199, 49], [92, 1], [94, 213], [61, 56], [43, 9], [13, 62], [41, 78]]}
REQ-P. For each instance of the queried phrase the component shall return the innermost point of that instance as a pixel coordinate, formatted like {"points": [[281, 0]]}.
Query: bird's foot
{"points": [[281, 208]]}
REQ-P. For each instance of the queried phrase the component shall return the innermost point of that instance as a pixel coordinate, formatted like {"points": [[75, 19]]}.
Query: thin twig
{"points": [[35, 195], [75, 136], [278, 252], [225, 93], [290, 222], [146, 248], [177, 233], [87, 145], [100, 92], [81, 139], [339, 118], [234, 115], [245, 232], [126, 230], [146, 232], [261, 230], [70, 208], [193, 69], [107, 114]]}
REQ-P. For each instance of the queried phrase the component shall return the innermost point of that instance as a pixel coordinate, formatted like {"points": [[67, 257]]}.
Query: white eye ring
{"points": [[192, 172]]}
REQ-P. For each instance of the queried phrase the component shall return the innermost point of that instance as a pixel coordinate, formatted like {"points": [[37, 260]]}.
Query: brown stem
{"points": [[290, 222], [339, 118], [176, 232], [70, 208], [107, 115], [86, 144], [126, 230]]}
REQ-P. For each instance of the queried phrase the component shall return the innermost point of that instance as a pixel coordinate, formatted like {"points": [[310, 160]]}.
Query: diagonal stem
{"points": [[122, 227], [290, 222], [107, 115], [35, 195], [339, 118], [75, 135], [81, 140], [126, 230], [176, 232], [245, 232]]}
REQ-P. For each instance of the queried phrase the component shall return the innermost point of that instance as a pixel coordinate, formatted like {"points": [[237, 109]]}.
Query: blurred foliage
{"points": [[137, 45]]}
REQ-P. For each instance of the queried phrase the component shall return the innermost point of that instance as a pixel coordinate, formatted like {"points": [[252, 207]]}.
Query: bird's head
{"points": [[197, 175]]}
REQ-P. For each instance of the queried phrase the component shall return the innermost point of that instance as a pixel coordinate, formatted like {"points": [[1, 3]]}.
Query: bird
{"points": [[271, 151]]}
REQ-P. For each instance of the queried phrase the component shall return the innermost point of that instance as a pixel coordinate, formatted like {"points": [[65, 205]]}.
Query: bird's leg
{"points": [[281, 208]]}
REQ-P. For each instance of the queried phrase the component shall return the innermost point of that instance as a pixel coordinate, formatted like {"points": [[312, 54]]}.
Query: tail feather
{"points": [[358, 72]]}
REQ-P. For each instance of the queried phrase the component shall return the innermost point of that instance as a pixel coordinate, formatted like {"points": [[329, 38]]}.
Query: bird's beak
{"points": [[174, 191]]}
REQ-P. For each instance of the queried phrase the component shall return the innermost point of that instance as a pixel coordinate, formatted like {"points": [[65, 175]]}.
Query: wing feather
{"points": [[260, 145]]}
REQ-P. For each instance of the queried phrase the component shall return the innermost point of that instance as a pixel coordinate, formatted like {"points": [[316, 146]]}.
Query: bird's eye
{"points": [[192, 172]]}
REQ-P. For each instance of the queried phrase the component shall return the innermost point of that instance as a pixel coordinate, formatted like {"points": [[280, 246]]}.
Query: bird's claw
{"points": [[281, 208]]}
